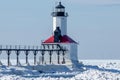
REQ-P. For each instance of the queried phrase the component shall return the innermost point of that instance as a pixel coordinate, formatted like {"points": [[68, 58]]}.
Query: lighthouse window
{"points": [[60, 10]]}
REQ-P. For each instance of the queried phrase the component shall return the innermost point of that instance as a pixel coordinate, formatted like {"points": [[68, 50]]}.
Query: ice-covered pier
{"points": [[49, 49]]}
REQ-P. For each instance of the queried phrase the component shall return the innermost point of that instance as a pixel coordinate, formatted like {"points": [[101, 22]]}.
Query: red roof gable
{"points": [[63, 39]]}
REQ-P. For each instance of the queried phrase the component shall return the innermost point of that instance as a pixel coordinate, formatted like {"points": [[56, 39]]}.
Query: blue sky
{"points": [[96, 2], [95, 24]]}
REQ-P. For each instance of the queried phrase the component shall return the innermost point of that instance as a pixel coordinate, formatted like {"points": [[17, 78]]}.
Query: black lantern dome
{"points": [[60, 5], [59, 10]]}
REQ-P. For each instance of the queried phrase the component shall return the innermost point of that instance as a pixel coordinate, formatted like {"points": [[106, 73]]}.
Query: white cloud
{"points": [[96, 1]]}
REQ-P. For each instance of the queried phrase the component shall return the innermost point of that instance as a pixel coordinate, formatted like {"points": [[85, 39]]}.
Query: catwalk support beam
{"points": [[50, 57], [8, 54], [0, 50], [26, 53], [17, 54], [35, 53], [0, 54], [42, 57], [58, 53], [63, 62]]}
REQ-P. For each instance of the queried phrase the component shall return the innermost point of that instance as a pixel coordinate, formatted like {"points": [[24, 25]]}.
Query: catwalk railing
{"points": [[43, 49]]}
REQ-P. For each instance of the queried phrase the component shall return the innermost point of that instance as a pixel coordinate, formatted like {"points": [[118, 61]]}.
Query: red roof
{"points": [[63, 39]]}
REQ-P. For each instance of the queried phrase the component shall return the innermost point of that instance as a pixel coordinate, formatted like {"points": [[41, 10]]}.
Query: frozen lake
{"points": [[90, 70]]}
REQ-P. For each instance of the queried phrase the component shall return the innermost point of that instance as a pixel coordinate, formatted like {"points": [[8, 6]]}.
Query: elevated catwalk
{"points": [[49, 49]]}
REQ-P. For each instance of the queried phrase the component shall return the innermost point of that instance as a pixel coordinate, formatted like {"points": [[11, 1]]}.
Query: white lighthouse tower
{"points": [[60, 34], [60, 19]]}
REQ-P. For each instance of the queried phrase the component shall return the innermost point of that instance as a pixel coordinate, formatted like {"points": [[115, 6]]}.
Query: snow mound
{"points": [[17, 71]]}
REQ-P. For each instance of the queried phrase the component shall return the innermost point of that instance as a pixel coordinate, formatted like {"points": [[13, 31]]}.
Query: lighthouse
{"points": [[60, 36], [60, 19]]}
